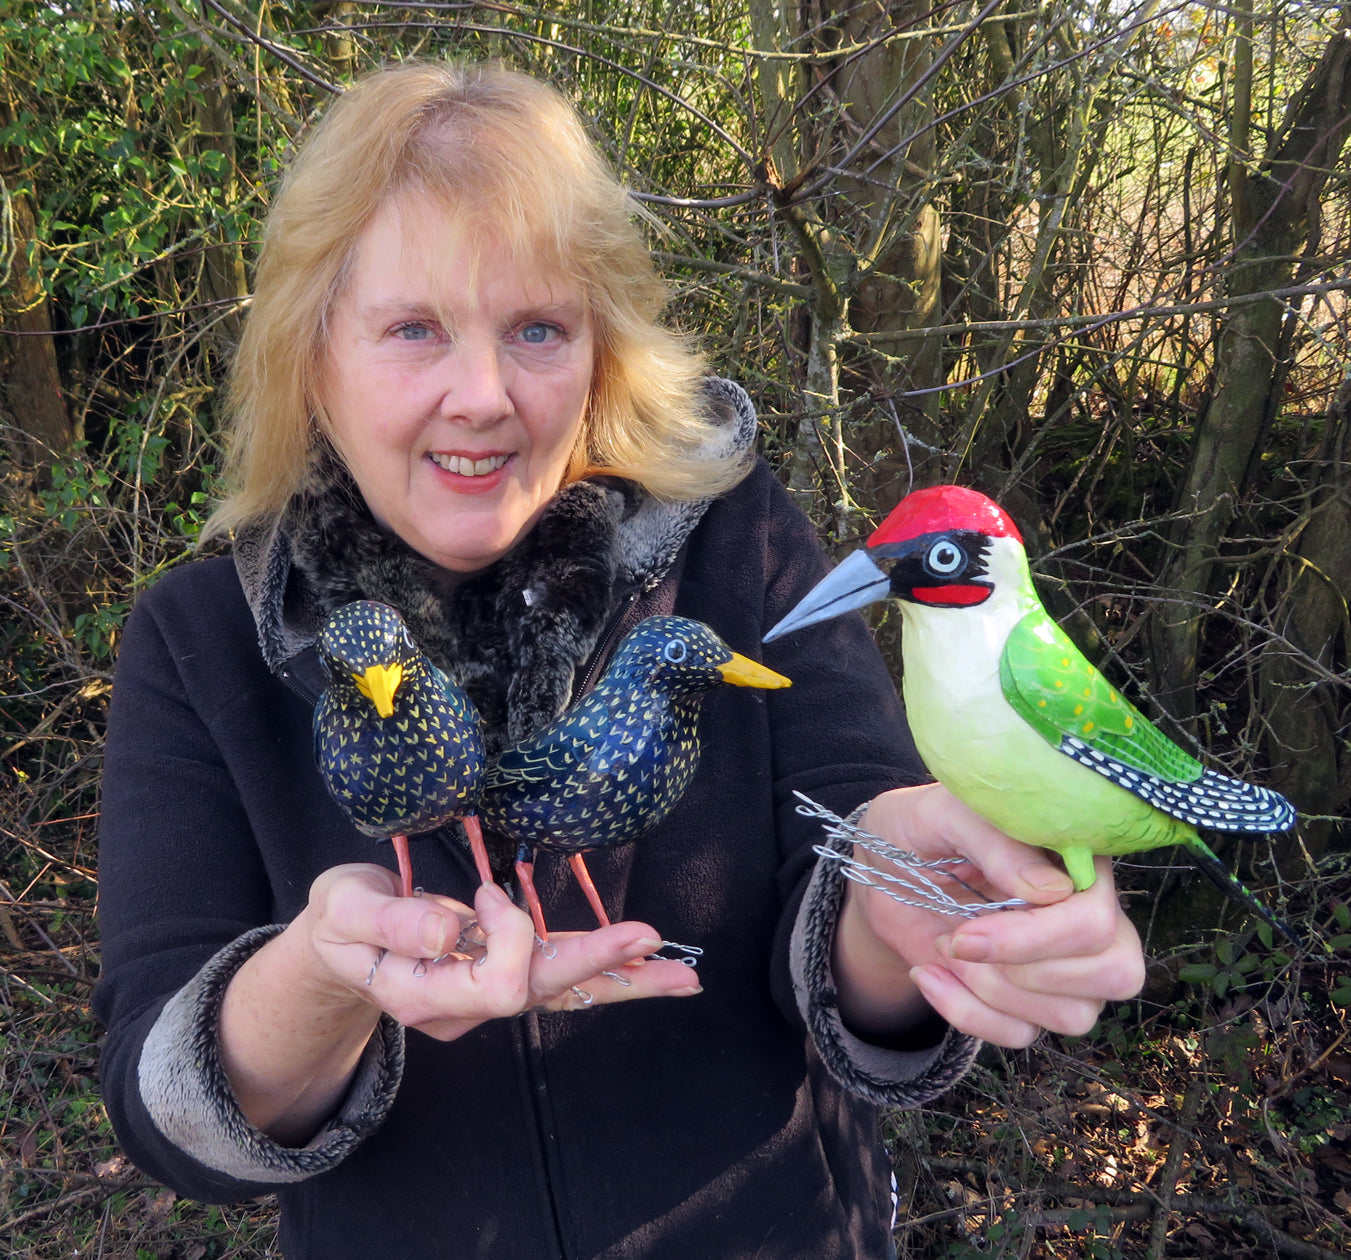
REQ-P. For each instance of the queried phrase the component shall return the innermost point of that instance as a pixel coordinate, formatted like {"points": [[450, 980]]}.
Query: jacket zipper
{"points": [[615, 628], [531, 1042], [294, 685]]}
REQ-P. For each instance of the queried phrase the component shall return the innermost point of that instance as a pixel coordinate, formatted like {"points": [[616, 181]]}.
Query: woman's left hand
{"points": [[1004, 976]]}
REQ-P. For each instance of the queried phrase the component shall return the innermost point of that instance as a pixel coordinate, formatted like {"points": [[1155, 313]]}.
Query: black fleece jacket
{"points": [[704, 1127]]}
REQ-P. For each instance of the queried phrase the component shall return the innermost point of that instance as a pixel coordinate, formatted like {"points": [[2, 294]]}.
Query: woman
{"points": [[452, 396]]}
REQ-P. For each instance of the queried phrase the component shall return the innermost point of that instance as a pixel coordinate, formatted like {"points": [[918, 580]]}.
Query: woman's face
{"points": [[455, 409]]}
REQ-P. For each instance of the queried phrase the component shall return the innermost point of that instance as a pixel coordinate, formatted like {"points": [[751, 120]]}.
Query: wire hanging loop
{"points": [[911, 884]]}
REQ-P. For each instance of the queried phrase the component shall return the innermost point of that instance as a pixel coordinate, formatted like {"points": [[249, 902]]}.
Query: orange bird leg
{"points": [[578, 864], [478, 848], [400, 843], [525, 876]]}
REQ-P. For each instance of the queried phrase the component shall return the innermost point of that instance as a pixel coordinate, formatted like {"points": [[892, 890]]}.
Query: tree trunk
{"points": [[212, 129], [870, 245], [818, 465], [1273, 221], [1306, 701], [32, 408], [899, 239]]}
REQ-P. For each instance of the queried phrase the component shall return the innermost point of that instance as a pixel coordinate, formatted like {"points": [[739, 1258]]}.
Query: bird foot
{"points": [[909, 881], [690, 954], [471, 938]]}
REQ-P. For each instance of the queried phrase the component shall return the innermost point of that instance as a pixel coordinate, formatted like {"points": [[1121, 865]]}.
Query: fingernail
{"points": [[692, 991], [641, 949], [969, 948], [431, 934], [494, 893], [1045, 878]]}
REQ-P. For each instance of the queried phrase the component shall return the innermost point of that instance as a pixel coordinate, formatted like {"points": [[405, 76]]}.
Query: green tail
{"points": [[1228, 883]]}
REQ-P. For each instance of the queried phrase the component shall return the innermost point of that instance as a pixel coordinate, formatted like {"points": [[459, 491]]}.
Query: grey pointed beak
{"points": [[853, 583]]}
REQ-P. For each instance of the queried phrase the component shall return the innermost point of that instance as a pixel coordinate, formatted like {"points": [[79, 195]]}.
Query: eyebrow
{"points": [[385, 310], [574, 308]]}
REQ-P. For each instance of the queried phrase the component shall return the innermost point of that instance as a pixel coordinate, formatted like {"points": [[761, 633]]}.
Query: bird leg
{"points": [[578, 864], [478, 848], [400, 843], [525, 876]]}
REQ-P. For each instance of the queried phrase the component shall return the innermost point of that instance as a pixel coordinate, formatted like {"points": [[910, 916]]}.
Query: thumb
{"points": [[1014, 868], [1021, 870]]}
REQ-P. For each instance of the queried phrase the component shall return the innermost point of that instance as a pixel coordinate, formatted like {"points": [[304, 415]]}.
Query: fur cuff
{"points": [[188, 1095], [894, 1078]]}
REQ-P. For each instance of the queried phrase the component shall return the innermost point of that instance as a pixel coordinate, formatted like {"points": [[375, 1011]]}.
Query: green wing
{"points": [[1051, 684]]}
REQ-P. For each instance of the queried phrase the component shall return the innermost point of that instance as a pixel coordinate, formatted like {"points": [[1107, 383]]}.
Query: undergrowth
{"points": [[1199, 1127]]}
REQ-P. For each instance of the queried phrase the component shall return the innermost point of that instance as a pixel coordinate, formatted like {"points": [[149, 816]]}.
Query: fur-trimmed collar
{"points": [[513, 635]]}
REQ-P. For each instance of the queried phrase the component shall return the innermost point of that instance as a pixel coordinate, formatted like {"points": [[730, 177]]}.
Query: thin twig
{"points": [[1172, 1166]]}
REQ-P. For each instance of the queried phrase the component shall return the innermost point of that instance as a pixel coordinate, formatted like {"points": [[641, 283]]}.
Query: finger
{"points": [[584, 958], [930, 821], [446, 997], [1114, 975], [1064, 996], [496, 982], [360, 904], [965, 1011], [1088, 924], [661, 978]]}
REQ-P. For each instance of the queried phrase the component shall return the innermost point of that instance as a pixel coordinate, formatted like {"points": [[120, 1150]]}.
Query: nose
{"points": [[475, 388]]}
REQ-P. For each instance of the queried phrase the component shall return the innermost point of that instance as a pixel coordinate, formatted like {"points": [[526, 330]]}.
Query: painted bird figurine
{"points": [[397, 742], [1010, 716], [613, 766]]}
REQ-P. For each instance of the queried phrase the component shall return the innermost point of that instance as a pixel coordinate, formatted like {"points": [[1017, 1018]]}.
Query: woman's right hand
{"points": [[439, 973]]}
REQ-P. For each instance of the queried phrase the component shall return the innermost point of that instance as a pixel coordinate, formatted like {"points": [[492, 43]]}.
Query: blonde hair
{"points": [[493, 150]]}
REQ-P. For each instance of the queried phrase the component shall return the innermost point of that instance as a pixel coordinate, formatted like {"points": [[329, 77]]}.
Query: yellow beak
{"points": [[378, 684], [741, 671]]}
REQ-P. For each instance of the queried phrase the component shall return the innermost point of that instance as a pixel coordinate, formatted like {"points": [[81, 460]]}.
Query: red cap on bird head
{"points": [[941, 508]]}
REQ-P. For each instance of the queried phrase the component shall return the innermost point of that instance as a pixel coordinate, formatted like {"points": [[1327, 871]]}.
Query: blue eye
{"points": [[675, 651], [413, 332], [539, 333]]}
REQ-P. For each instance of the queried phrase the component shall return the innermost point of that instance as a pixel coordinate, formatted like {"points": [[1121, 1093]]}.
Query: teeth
{"points": [[465, 467]]}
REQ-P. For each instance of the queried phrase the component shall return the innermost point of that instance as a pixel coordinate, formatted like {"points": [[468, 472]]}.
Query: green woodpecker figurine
{"points": [[1011, 717]]}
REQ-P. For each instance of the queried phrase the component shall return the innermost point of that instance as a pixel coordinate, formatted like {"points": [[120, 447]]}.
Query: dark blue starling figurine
{"points": [[613, 766], [398, 743]]}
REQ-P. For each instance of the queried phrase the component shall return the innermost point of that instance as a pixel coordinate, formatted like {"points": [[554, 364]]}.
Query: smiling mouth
{"points": [[463, 466]]}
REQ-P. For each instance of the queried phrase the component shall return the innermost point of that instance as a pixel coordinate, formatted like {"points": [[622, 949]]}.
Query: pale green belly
{"points": [[989, 758]]}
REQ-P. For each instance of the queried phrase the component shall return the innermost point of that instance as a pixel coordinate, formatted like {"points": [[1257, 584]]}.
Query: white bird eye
{"points": [[945, 558], [675, 651]]}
